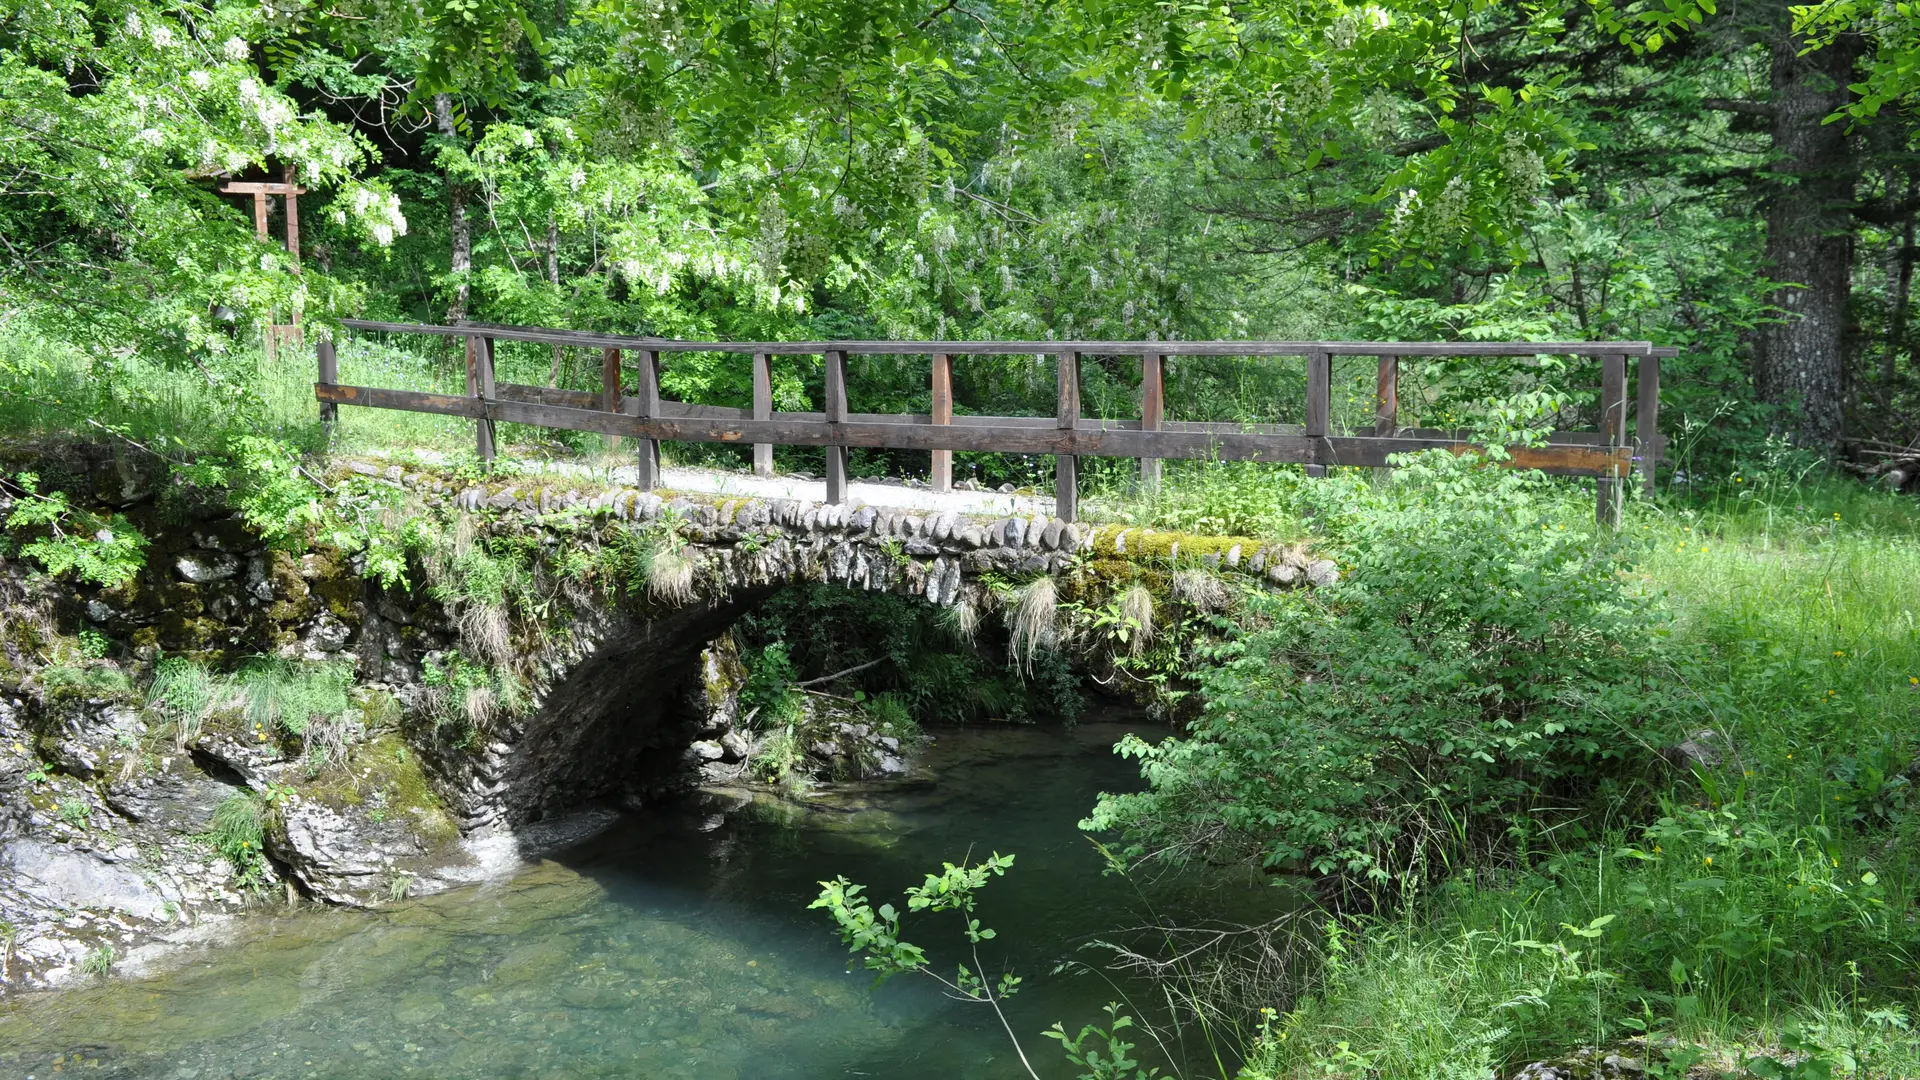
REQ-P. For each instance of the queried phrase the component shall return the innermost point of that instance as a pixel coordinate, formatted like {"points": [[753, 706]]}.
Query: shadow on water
{"points": [[674, 944]]}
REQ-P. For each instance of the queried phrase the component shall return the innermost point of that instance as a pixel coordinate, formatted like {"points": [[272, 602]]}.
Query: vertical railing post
{"points": [[941, 473], [484, 427], [1386, 407], [610, 388], [1153, 405], [328, 375], [762, 410], [836, 411], [646, 405], [1646, 419], [1319, 408], [1066, 467], [1613, 434]]}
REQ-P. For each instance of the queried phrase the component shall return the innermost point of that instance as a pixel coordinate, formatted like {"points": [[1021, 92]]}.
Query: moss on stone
{"points": [[1178, 547], [386, 765]]}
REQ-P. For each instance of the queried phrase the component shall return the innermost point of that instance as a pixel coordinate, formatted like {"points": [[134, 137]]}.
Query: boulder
{"points": [[339, 859], [69, 878], [181, 799], [201, 567]]}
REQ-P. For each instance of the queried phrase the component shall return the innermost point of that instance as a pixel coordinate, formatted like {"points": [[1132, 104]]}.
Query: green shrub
{"points": [[64, 538], [1223, 498], [1478, 667]]}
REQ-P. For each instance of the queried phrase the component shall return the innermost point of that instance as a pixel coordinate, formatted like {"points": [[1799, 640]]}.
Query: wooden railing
{"points": [[1606, 453]]}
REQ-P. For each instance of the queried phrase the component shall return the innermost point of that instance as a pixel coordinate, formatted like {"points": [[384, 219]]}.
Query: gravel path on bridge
{"points": [[894, 494]]}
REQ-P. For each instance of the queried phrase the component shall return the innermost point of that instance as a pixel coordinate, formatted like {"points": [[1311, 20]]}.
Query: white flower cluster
{"points": [[1522, 165], [378, 211]]}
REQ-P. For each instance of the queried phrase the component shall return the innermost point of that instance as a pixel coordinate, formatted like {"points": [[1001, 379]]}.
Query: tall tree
{"points": [[1800, 358]]}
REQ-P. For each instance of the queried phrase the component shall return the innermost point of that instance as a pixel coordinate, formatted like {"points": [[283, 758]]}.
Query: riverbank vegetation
{"points": [[1704, 844]]}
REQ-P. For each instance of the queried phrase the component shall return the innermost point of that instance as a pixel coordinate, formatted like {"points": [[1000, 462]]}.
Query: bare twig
{"points": [[839, 674]]}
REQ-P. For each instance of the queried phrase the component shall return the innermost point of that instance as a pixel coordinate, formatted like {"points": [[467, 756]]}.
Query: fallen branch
{"points": [[838, 674]]}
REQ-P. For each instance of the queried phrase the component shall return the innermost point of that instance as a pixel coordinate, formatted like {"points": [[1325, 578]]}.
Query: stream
{"points": [[673, 944]]}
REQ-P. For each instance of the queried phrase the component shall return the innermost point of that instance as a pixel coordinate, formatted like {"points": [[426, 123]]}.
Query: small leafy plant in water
{"points": [[874, 934]]}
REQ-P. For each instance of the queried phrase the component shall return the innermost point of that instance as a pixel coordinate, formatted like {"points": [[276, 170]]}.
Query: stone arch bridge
{"points": [[618, 700]]}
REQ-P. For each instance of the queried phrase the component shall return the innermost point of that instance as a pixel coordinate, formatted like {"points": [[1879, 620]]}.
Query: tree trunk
{"points": [[1799, 361], [1902, 296], [460, 260]]}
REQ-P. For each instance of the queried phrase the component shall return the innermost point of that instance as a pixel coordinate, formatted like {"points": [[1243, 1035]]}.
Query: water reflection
{"points": [[671, 946]]}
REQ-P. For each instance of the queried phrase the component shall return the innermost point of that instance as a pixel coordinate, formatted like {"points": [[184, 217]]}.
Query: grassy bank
{"points": [[1753, 907]]}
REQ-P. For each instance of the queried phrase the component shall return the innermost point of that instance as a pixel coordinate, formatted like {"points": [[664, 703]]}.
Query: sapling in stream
{"points": [[874, 933]]}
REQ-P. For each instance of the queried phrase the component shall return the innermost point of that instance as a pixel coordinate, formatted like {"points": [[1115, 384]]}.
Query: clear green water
{"points": [[675, 944]]}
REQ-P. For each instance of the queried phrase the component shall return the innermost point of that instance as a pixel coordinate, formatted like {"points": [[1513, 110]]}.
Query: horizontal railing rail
{"points": [[1606, 453]]}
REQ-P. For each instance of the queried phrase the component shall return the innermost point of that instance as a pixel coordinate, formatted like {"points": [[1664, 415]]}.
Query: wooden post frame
{"points": [[1066, 467], [1319, 408], [328, 375], [941, 473], [483, 428], [646, 405], [836, 414], [1386, 407], [610, 388], [762, 410], [1153, 406], [1646, 420], [1613, 434]]}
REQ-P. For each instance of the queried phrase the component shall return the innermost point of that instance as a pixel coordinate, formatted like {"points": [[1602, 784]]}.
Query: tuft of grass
{"points": [[1200, 591], [290, 696], [238, 834], [963, 620], [98, 961], [1032, 620], [486, 627], [1136, 606], [184, 693], [670, 576]]}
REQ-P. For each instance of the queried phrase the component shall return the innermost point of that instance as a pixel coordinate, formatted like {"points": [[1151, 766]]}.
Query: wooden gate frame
{"points": [[1607, 454]]}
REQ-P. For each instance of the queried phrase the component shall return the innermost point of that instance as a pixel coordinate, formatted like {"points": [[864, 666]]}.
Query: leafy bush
{"points": [[63, 538], [1481, 662]]}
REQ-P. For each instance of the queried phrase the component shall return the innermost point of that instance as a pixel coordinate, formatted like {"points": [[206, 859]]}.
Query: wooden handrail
{"points": [[548, 336], [1605, 454]]}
